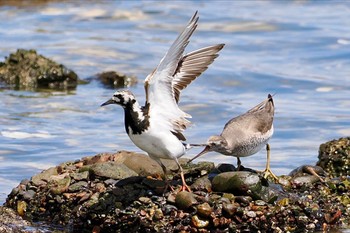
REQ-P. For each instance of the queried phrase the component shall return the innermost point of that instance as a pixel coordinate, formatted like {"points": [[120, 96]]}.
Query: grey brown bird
{"points": [[245, 135], [157, 127]]}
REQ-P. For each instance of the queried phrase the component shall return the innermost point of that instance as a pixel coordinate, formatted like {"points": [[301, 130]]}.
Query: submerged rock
{"points": [[113, 79], [28, 70]]}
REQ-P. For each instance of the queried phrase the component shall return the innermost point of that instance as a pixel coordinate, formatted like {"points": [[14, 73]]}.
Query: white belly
{"points": [[162, 144]]}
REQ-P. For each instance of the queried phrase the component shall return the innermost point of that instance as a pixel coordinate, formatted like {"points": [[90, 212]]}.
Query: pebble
{"points": [[185, 200], [204, 210]]}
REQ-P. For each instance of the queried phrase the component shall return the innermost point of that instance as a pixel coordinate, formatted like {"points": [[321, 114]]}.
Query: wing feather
{"points": [[193, 65], [175, 72]]}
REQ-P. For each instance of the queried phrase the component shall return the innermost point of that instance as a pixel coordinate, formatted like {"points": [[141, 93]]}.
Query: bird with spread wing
{"points": [[157, 127]]}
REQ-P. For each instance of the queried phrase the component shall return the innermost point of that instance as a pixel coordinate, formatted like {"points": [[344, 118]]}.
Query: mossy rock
{"points": [[28, 70], [334, 157]]}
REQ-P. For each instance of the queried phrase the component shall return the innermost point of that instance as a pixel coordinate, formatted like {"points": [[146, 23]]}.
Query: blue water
{"points": [[299, 50]]}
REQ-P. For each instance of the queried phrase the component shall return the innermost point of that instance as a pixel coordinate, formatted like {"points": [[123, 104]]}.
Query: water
{"points": [[299, 50]]}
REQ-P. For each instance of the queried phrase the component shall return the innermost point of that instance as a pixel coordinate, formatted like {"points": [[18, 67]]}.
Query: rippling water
{"points": [[299, 50]]}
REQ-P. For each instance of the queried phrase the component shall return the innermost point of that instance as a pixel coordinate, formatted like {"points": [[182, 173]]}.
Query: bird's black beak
{"points": [[206, 150], [110, 101]]}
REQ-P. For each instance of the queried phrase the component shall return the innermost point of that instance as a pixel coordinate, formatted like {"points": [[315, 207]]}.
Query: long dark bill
{"points": [[110, 101], [206, 150]]}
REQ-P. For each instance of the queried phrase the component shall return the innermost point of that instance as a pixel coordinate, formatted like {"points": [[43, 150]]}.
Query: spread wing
{"points": [[174, 73], [193, 65]]}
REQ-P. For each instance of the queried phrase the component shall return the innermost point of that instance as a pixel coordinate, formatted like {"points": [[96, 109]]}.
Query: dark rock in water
{"points": [[28, 70], [114, 79], [334, 157], [85, 196]]}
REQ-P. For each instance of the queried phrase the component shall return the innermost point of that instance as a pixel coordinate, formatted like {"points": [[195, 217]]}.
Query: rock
{"points": [[334, 157], [112, 170], [204, 210], [29, 195], [199, 223], [80, 175], [43, 177], [142, 164], [134, 204], [77, 186], [10, 222], [59, 184], [236, 182], [305, 181], [25, 69], [229, 208], [113, 79], [202, 183], [185, 200]]}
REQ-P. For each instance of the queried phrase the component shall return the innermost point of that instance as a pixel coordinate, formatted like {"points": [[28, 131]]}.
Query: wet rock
{"points": [[77, 186], [29, 195], [202, 183], [204, 210], [59, 184], [304, 181], [28, 70], [43, 177], [236, 182], [229, 208], [80, 175], [10, 222], [142, 164], [140, 204], [185, 200], [199, 223], [113, 79], [334, 157], [112, 170]]}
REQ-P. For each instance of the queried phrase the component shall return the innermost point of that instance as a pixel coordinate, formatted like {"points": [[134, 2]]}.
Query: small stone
{"points": [[202, 183], [77, 186], [99, 187], [229, 196], [199, 223], [80, 175], [204, 210], [251, 214], [21, 207], [229, 208], [110, 181], [29, 195], [185, 199], [158, 214], [145, 200], [59, 183]]}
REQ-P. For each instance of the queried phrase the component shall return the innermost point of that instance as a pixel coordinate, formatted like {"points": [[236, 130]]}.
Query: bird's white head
{"points": [[122, 98]]}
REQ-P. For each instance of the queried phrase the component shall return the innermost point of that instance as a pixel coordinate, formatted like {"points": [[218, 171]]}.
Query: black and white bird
{"points": [[245, 135], [157, 127]]}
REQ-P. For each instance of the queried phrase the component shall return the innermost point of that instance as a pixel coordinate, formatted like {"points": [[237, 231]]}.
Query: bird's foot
{"points": [[185, 187], [267, 172]]}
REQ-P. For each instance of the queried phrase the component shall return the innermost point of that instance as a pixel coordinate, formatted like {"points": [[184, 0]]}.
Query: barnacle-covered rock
{"points": [[334, 157], [25, 69]]}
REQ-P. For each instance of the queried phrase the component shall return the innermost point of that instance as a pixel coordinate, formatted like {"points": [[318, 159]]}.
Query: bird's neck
{"points": [[136, 117]]}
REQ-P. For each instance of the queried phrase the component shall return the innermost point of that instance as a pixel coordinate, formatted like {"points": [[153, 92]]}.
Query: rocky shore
{"points": [[123, 192]]}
